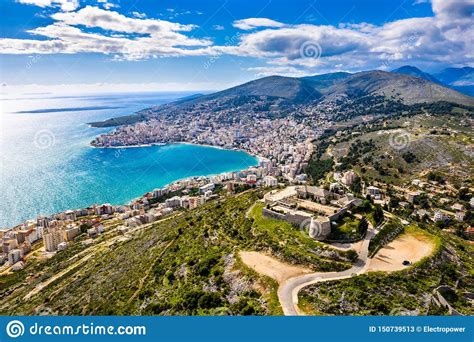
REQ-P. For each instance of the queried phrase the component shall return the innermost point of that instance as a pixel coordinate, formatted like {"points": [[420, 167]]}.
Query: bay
{"points": [[48, 166]]}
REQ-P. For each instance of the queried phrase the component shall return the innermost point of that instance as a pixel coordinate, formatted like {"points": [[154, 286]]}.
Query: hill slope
{"points": [[324, 81], [408, 89], [414, 71], [184, 265], [291, 89], [461, 79], [277, 96]]}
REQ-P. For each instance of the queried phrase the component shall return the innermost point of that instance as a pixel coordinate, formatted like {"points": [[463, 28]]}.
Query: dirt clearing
{"points": [[271, 266], [409, 246]]}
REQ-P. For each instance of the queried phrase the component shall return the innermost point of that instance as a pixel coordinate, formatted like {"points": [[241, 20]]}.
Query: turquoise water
{"points": [[47, 165]]}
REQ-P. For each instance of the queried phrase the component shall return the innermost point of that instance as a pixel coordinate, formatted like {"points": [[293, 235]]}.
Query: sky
{"points": [[143, 45]]}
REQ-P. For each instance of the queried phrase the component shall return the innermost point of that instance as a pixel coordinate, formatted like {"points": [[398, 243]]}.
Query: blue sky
{"points": [[214, 44]]}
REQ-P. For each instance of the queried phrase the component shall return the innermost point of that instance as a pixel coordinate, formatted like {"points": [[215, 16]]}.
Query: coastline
{"points": [[259, 158]]}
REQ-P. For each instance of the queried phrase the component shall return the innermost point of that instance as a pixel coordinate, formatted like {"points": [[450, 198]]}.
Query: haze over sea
{"points": [[47, 165]]}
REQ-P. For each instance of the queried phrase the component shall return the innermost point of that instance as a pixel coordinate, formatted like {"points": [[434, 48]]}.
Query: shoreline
{"points": [[259, 158]]}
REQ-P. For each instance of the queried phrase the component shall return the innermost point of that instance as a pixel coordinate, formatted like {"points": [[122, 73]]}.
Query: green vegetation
{"points": [[397, 149], [349, 228], [388, 233], [403, 292], [121, 120], [184, 265], [435, 177], [318, 168], [409, 157], [356, 150]]}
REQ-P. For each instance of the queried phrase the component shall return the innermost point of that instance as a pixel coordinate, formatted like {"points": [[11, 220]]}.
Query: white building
{"points": [[348, 178], [270, 181], [439, 216], [251, 178], [460, 215], [62, 246], [374, 192], [52, 239], [14, 256], [301, 178], [205, 188], [173, 202]]}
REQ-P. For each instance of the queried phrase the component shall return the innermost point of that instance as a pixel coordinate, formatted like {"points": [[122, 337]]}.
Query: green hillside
{"points": [[185, 265]]}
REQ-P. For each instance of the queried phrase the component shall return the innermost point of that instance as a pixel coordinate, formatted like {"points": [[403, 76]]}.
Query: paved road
{"points": [[288, 291]]}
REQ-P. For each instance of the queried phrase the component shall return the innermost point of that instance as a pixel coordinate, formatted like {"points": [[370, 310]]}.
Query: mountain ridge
{"points": [[286, 94], [414, 89], [414, 71]]}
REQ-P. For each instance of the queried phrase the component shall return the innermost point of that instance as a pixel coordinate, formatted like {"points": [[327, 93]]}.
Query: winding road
{"points": [[288, 291]]}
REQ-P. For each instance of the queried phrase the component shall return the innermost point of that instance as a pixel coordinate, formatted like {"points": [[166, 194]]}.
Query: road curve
{"points": [[288, 291]]}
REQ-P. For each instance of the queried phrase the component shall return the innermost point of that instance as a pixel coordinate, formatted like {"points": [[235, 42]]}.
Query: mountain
{"points": [[324, 81], [414, 71], [452, 76], [290, 89], [408, 89], [337, 95], [461, 79]]}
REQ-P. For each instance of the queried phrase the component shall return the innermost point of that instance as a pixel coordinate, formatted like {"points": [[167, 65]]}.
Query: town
{"points": [[284, 143]]}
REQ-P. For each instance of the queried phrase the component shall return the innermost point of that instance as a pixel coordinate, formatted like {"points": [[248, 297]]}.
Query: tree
{"points": [[356, 186], [362, 226], [436, 177], [463, 194], [409, 157], [393, 203], [83, 227], [209, 300], [378, 214]]}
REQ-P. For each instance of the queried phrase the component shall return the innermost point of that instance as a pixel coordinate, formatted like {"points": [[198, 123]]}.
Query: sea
{"points": [[47, 164]]}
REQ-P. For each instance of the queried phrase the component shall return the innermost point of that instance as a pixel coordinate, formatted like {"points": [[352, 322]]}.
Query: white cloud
{"points": [[107, 4], [252, 23], [282, 70], [139, 15], [65, 5], [127, 38], [454, 8], [446, 38], [113, 21]]}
